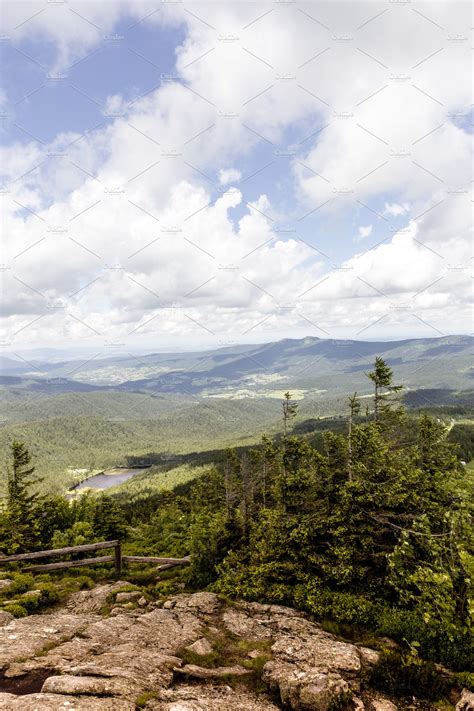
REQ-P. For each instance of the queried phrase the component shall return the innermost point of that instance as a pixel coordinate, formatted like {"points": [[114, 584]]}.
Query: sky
{"points": [[180, 175]]}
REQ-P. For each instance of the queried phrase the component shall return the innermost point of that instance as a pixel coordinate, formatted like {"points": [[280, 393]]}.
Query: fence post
{"points": [[118, 560]]}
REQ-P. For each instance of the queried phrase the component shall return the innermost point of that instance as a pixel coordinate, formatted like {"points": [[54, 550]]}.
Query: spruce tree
{"points": [[354, 410], [22, 507], [382, 376], [289, 411]]}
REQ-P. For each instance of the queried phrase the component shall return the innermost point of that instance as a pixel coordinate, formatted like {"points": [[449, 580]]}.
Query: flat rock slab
{"points": [[209, 698], [198, 672], [89, 685], [57, 702], [25, 637]]}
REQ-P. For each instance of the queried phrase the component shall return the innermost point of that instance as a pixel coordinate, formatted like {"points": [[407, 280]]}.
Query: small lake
{"points": [[108, 478]]}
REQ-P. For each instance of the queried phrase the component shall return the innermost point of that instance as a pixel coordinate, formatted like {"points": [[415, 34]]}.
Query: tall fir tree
{"points": [[382, 378], [22, 508]]}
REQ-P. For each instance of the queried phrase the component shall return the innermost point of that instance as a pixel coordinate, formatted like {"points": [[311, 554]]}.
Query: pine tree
{"points": [[382, 376], [354, 409], [22, 507], [289, 411]]}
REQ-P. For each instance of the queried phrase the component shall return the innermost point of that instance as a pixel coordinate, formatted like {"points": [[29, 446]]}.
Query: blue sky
{"points": [[338, 128]]}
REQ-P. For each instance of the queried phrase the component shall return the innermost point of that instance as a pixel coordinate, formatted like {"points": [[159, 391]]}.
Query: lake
{"points": [[108, 478]]}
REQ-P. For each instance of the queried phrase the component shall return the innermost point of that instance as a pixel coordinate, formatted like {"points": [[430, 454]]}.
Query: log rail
{"points": [[116, 558]]}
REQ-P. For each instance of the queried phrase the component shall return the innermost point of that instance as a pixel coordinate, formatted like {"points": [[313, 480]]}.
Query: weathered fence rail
{"points": [[116, 558]]}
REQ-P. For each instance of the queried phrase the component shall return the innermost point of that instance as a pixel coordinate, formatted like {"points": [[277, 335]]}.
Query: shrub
{"points": [[407, 674], [30, 602], [49, 593], [16, 610], [21, 583], [464, 680]]}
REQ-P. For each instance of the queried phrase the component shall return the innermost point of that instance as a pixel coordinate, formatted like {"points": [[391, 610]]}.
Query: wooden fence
{"points": [[116, 558]]}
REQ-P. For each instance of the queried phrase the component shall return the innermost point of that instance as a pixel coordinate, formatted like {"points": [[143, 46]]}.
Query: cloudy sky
{"points": [[188, 174]]}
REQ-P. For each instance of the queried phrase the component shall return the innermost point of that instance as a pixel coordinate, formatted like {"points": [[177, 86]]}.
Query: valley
{"points": [[96, 413]]}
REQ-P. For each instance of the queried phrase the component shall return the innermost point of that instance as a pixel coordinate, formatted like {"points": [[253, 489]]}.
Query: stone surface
{"points": [[79, 656], [369, 656], [130, 596], [5, 584], [201, 647], [89, 685], [205, 603], [5, 618], [383, 705], [193, 670], [209, 698], [58, 702], [93, 600], [466, 702]]}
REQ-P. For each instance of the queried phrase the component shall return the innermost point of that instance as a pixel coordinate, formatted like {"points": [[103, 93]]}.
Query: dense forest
{"points": [[367, 526]]}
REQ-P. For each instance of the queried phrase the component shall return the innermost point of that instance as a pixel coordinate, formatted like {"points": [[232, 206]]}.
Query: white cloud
{"points": [[229, 175], [129, 240], [363, 232], [394, 209]]}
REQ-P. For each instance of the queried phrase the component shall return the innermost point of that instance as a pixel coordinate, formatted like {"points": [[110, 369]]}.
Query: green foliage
{"points": [[21, 582], [19, 528], [464, 680], [463, 436], [16, 610], [407, 674], [108, 522]]}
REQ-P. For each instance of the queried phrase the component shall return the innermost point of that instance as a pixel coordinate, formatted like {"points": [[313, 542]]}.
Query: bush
{"points": [[16, 610], [21, 582], [407, 674], [49, 593], [30, 602], [464, 680]]}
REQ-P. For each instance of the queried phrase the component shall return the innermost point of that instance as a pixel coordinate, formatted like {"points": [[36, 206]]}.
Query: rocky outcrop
{"points": [[466, 702], [80, 658]]}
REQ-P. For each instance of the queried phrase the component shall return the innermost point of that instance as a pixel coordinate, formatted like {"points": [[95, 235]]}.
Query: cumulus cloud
{"points": [[394, 209], [363, 232], [130, 235], [229, 175]]}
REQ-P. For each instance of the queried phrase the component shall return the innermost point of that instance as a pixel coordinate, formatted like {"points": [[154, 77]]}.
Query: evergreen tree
{"points": [[108, 522], [289, 411], [22, 507], [382, 376], [354, 409]]}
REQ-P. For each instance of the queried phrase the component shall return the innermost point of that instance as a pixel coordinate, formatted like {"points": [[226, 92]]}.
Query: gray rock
{"points": [[58, 702], [92, 601], [205, 603], [466, 702], [130, 596], [89, 685], [381, 704], [210, 698], [193, 670], [201, 647], [5, 584], [368, 656], [5, 618], [309, 689]]}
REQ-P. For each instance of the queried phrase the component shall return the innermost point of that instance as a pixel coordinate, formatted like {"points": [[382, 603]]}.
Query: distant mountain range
{"points": [[308, 366]]}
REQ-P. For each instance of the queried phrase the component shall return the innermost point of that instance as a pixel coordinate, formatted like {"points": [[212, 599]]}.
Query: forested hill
{"points": [[306, 364]]}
